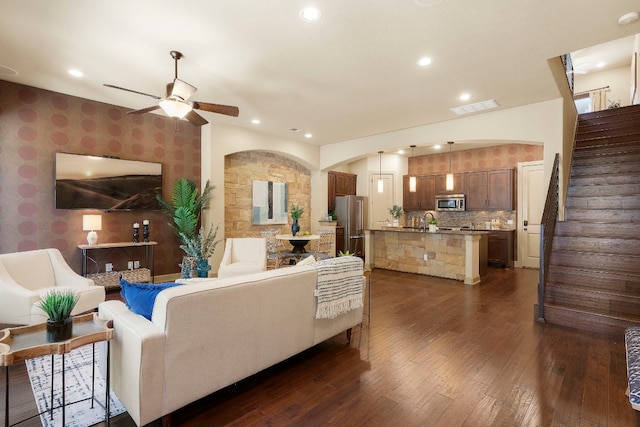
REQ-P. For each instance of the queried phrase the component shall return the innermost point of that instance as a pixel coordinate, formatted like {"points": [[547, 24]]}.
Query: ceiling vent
{"points": [[478, 106]]}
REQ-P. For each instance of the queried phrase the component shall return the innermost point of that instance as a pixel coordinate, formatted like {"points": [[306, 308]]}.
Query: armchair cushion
{"points": [[140, 297], [243, 256]]}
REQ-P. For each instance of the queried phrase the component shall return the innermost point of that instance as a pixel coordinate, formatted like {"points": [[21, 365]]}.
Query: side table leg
{"points": [[93, 373], [52, 381], [63, 393], [108, 384], [6, 397]]}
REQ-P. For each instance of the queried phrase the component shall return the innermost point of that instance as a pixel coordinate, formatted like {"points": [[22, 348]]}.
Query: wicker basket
{"points": [[111, 279], [138, 275]]}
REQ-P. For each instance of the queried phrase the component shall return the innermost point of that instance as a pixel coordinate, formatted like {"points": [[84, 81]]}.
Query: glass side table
{"points": [[27, 342]]}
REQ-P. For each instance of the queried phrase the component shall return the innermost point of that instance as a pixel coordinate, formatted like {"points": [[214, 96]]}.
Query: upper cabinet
{"points": [[424, 198], [490, 190], [484, 190], [340, 184], [459, 184]]}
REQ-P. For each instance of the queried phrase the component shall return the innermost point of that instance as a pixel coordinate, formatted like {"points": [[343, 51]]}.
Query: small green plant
{"points": [[58, 304], [347, 253], [296, 211], [433, 221], [396, 211]]}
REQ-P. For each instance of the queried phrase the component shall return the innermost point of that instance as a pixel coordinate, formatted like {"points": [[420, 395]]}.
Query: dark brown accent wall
{"points": [[36, 123]]}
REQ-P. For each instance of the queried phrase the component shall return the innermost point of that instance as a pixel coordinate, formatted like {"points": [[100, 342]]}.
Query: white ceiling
{"points": [[350, 75]]}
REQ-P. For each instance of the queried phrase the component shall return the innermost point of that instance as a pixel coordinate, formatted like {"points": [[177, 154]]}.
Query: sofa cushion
{"points": [[140, 297]]}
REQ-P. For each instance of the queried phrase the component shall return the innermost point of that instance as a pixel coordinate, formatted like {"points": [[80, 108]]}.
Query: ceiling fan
{"points": [[176, 101]]}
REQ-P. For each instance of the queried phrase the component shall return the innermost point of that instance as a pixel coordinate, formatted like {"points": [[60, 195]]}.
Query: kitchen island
{"points": [[458, 254]]}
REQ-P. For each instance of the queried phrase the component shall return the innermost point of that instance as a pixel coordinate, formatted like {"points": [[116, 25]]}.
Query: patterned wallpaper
{"points": [[36, 123], [502, 156]]}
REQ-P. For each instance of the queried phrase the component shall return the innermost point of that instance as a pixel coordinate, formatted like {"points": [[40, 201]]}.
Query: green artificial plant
{"points": [[396, 211], [185, 210], [58, 304], [296, 212]]}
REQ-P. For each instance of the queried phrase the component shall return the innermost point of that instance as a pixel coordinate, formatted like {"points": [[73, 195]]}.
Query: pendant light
{"points": [[412, 178], [449, 177], [380, 183]]}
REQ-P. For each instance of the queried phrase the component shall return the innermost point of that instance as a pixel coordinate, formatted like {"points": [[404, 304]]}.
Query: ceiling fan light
{"points": [[175, 108]]}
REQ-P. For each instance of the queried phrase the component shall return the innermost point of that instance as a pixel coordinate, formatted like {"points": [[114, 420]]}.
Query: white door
{"points": [[381, 202], [533, 191]]}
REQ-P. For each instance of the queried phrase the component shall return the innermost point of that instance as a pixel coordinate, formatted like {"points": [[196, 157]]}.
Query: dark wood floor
{"points": [[436, 353]]}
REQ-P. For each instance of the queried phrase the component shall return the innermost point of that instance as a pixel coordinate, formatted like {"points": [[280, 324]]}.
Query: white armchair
{"points": [[26, 276], [243, 256]]}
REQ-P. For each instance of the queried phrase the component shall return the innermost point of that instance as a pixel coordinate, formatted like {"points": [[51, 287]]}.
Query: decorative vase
{"points": [[203, 268], [295, 227], [395, 222], [433, 228], [59, 330], [188, 267]]}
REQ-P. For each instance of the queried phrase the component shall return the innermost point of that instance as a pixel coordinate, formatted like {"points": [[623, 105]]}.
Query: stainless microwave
{"points": [[450, 202]]}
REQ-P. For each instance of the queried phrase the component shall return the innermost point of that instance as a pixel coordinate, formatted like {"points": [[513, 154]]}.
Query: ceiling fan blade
{"points": [[182, 89], [195, 118], [216, 108], [133, 91], [144, 110]]}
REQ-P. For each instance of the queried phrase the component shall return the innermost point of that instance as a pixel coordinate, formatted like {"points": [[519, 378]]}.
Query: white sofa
{"points": [[208, 334], [27, 276]]}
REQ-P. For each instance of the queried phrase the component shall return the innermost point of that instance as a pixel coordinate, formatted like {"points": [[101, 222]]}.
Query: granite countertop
{"points": [[448, 230]]}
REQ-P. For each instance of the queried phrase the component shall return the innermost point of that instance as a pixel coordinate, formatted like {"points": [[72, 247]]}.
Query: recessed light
{"points": [[310, 14], [75, 72], [601, 64], [437, 146], [308, 135], [255, 121], [464, 97], [400, 151], [426, 61], [294, 130], [628, 18]]}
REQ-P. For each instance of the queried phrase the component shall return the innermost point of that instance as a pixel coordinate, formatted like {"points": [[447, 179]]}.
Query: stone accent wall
{"points": [[404, 251], [240, 171]]}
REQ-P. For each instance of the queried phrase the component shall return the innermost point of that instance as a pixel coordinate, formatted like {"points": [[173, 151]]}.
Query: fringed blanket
{"points": [[339, 287]]}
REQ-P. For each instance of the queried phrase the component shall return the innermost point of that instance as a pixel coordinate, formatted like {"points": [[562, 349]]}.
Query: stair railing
{"points": [[547, 231]]}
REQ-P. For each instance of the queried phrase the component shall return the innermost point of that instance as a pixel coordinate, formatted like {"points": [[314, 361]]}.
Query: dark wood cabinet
{"points": [[459, 184], [340, 184], [492, 189], [424, 196], [339, 240], [501, 248]]}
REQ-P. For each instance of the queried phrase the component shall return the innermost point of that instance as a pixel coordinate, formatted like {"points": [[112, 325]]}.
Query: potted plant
{"points": [[57, 305], [184, 210], [396, 212], [296, 213], [432, 225]]}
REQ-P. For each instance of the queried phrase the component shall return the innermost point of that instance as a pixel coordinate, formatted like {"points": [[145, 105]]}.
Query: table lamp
{"points": [[91, 223]]}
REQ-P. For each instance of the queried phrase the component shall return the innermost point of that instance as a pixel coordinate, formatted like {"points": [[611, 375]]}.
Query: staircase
{"points": [[594, 271]]}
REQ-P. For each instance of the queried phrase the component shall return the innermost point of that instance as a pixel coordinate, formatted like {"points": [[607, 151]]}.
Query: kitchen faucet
{"points": [[425, 221]]}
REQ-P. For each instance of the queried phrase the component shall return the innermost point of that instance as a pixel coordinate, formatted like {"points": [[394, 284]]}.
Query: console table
{"points": [[149, 253], [27, 342]]}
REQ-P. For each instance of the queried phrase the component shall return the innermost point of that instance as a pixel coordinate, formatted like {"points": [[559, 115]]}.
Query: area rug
{"points": [[77, 378]]}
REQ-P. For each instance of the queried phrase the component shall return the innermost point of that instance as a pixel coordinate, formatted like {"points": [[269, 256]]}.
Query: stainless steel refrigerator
{"points": [[351, 213]]}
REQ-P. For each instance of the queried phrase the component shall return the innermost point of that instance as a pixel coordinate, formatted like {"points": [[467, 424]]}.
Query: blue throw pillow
{"points": [[140, 297]]}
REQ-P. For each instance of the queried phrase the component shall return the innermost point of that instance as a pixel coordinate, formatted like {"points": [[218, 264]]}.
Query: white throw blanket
{"points": [[339, 287]]}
